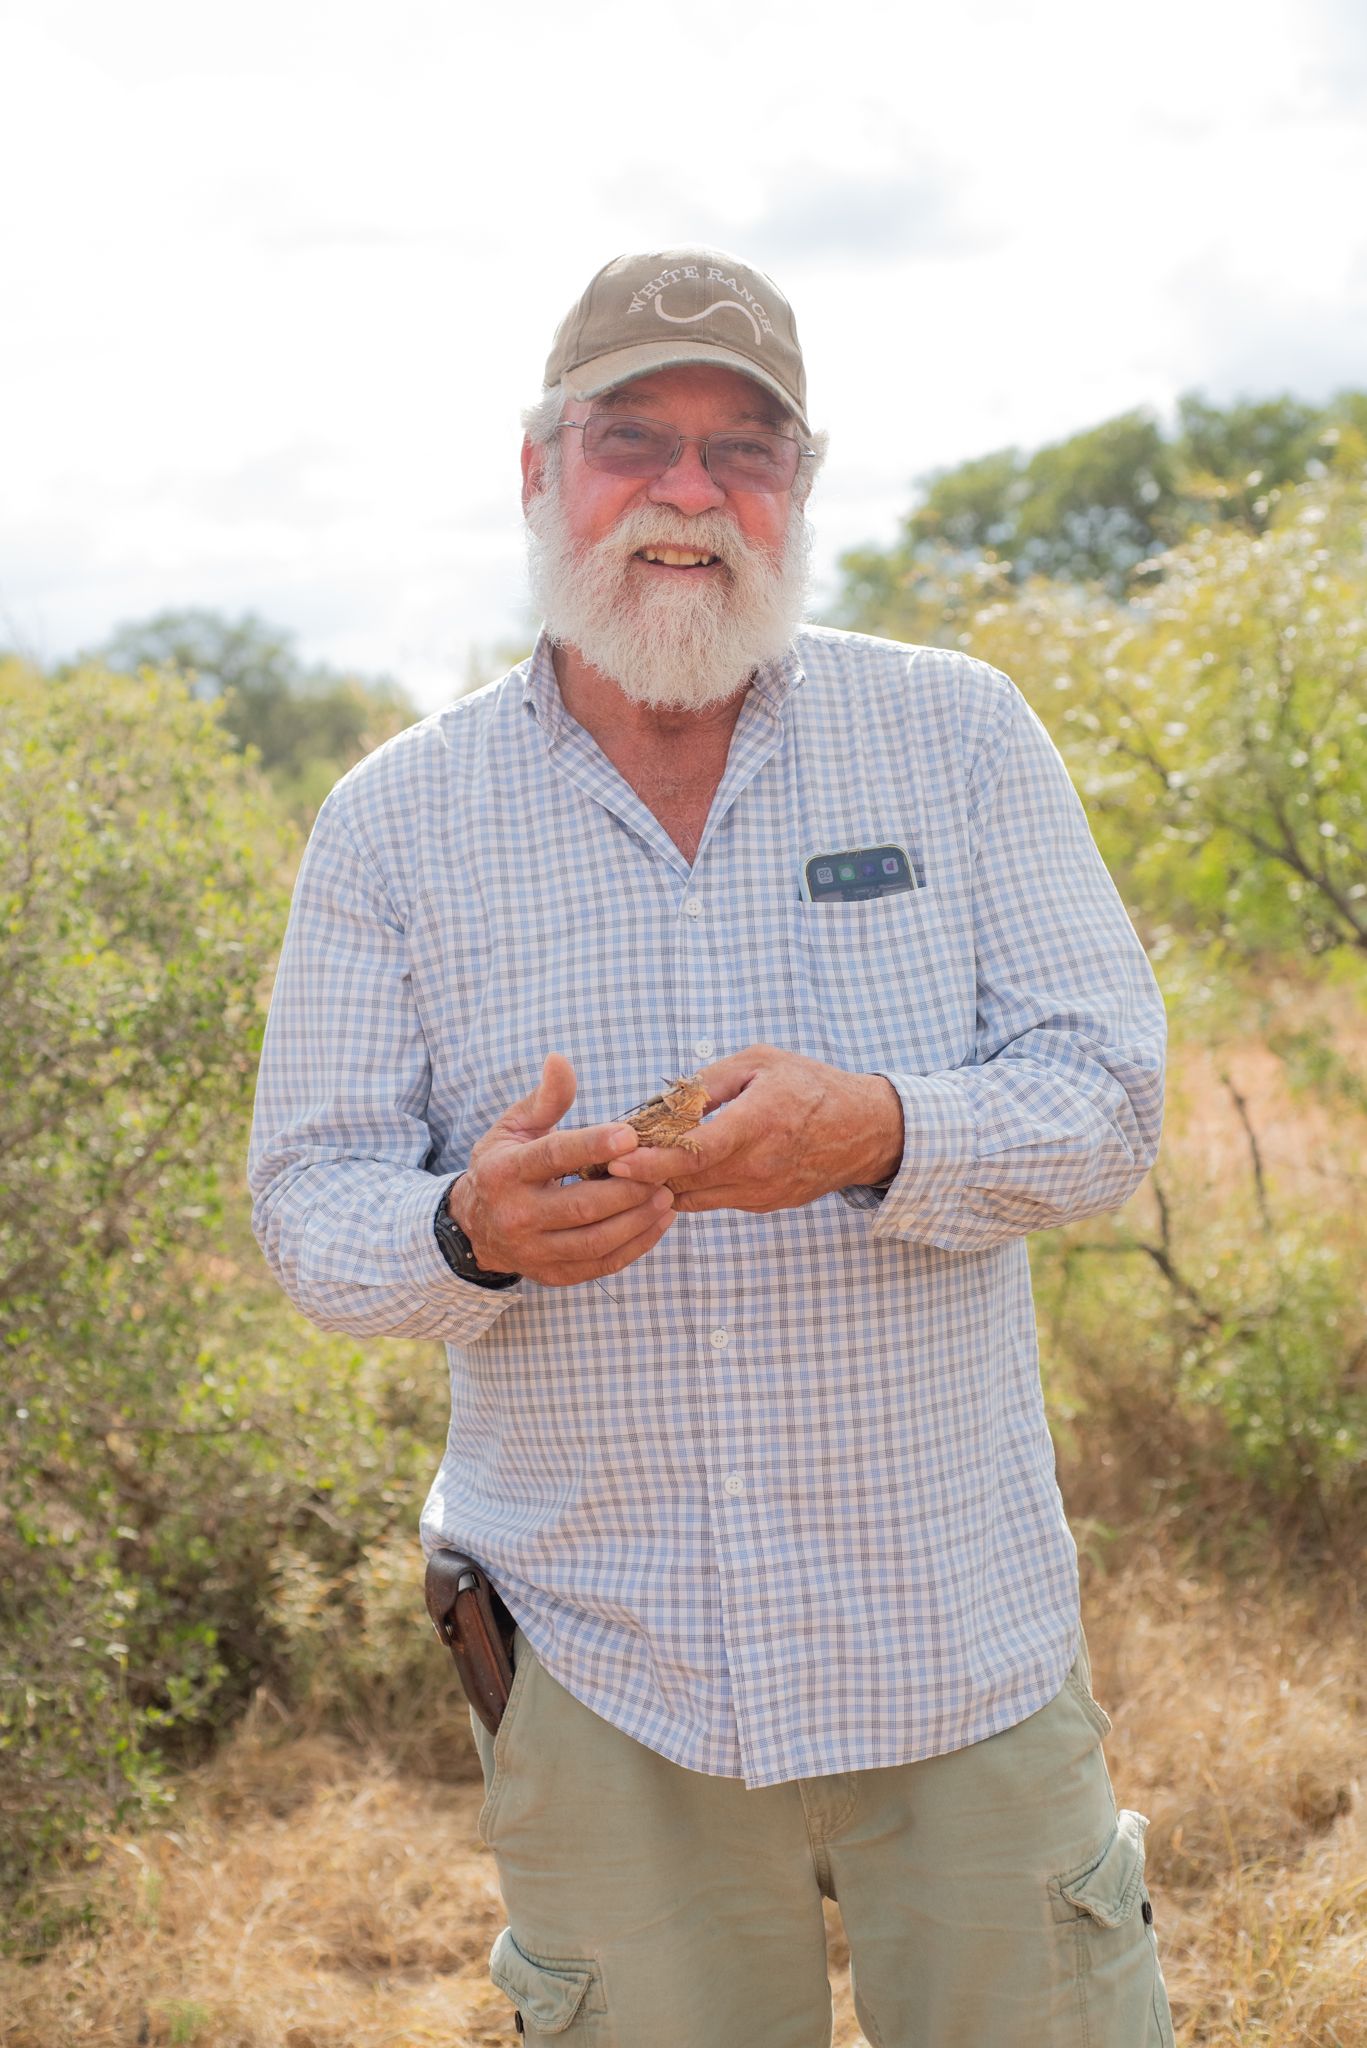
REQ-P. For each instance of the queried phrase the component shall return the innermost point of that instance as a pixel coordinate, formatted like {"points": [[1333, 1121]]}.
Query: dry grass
{"points": [[311, 1896], [1239, 1730], [307, 1897]]}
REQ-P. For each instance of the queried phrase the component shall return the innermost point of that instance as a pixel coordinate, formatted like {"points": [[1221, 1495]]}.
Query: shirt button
{"points": [[733, 1484], [693, 907], [704, 1048], [720, 1339]]}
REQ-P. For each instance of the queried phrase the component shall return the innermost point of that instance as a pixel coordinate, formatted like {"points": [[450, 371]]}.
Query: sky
{"points": [[279, 278]]}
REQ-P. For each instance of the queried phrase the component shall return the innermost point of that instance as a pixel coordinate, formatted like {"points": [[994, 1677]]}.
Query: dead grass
{"points": [[309, 1895], [1238, 1727]]}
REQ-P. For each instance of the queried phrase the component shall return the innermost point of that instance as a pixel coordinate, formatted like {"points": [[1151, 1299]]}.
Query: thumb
{"points": [[551, 1099]]}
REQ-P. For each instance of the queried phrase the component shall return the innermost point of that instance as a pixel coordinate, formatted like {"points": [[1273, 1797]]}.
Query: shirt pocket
{"points": [[877, 985]]}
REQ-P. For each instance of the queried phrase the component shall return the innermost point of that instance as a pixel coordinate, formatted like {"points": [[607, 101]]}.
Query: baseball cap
{"points": [[670, 306]]}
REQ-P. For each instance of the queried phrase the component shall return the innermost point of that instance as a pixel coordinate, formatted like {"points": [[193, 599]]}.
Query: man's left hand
{"points": [[793, 1130]]}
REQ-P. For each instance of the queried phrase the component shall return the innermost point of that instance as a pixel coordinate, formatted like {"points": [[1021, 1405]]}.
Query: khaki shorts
{"points": [[992, 1898]]}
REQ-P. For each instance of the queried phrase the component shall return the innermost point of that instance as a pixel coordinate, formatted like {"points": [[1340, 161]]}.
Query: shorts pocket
{"points": [[1121, 1994], [1077, 1685], [550, 1993], [493, 1749]]}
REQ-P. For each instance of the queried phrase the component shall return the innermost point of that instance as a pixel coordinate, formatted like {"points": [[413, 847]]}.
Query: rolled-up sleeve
{"points": [[1058, 1116], [339, 1168]]}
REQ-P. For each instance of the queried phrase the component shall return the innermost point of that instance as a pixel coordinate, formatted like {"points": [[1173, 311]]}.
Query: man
{"points": [[773, 1505]]}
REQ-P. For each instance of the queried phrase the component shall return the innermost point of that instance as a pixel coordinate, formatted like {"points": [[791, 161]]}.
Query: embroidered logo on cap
{"points": [[744, 301]]}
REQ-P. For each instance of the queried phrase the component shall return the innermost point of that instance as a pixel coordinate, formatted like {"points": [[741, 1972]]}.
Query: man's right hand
{"points": [[519, 1219]]}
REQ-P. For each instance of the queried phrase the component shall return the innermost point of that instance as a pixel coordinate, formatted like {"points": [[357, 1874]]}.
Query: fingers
{"points": [[565, 1152], [519, 1215], [584, 1205], [551, 1099], [652, 1166], [568, 1258], [543, 1230], [592, 1243], [712, 1145], [725, 1079]]}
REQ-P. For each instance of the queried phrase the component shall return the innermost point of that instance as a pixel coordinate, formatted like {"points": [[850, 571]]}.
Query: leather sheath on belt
{"points": [[476, 1628]]}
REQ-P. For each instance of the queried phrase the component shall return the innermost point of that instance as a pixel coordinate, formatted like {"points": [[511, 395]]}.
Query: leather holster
{"points": [[476, 1628]]}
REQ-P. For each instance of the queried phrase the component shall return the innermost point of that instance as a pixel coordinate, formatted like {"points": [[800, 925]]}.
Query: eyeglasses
{"points": [[747, 459]]}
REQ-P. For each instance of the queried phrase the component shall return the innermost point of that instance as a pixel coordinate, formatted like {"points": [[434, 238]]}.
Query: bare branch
{"points": [[1254, 1150]]}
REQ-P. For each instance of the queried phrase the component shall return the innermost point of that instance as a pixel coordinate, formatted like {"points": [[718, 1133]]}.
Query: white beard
{"points": [[670, 644]]}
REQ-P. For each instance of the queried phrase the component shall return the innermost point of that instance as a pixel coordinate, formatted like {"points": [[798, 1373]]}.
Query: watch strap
{"points": [[459, 1253]]}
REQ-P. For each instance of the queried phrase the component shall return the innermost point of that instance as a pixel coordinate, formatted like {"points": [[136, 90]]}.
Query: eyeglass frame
{"points": [[682, 441]]}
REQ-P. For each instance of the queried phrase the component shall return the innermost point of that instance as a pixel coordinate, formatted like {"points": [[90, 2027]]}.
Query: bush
{"points": [[177, 1445], [1214, 724], [167, 1426], [137, 913], [1206, 1345]]}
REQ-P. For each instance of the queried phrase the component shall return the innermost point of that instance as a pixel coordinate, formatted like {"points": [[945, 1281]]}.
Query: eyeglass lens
{"points": [[741, 461]]}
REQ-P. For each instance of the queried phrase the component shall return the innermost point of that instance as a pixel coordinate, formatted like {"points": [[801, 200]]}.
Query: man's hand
{"points": [[518, 1218], [795, 1130]]}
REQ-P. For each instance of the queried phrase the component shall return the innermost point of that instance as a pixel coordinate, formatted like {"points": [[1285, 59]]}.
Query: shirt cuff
{"points": [[464, 1310], [939, 1152]]}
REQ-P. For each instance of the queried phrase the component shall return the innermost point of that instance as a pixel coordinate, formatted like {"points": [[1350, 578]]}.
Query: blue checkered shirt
{"points": [[779, 1499]]}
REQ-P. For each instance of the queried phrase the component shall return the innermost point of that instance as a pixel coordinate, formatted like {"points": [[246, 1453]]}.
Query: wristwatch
{"points": [[458, 1251]]}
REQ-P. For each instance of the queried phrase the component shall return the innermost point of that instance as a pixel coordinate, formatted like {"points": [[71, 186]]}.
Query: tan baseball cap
{"points": [[672, 306]]}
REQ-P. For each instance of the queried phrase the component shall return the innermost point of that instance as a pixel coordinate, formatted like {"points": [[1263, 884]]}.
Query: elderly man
{"points": [[773, 1504]]}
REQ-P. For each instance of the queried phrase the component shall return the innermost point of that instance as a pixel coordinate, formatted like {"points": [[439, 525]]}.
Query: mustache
{"points": [[705, 533]]}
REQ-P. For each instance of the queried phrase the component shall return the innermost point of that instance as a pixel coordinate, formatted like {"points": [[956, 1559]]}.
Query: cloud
{"points": [[805, 214], [829, 216], [1338, 67], [350, 235], [1164, 127], [1250, 339], [303, 485]]}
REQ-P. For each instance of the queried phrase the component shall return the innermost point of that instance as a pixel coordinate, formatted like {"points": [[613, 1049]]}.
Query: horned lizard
{"points": [[664, 1120]]}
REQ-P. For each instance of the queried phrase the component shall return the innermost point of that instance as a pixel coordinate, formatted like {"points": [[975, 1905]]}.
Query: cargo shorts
{"points": [[991, 1898]]}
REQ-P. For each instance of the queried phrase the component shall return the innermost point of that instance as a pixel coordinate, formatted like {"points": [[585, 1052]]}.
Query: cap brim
{"points": [[604, 373]]}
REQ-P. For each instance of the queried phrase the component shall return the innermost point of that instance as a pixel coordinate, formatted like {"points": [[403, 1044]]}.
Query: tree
{"points": [[1094, 507], [308, 725], [1216, 724], [219, 657], [1236, 457], [1226, 733], [1086, 508]]}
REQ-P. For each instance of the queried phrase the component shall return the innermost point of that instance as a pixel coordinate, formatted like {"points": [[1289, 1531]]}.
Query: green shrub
{"points": [[137, 913], [173, 1433], [1193, 1343]]}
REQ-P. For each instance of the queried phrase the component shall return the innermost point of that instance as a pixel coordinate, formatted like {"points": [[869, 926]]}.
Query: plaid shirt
{"points": [[778, 1500]]}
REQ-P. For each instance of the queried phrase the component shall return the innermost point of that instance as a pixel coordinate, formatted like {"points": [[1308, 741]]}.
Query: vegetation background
{"points": [[236, 1793]]}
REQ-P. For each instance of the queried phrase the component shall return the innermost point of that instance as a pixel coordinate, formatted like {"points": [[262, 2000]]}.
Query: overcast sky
{"points": [[278, 277]]}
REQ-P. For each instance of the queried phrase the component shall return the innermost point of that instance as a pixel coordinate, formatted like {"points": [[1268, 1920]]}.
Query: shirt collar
{"points": [[773, 683], [540, 690]]}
